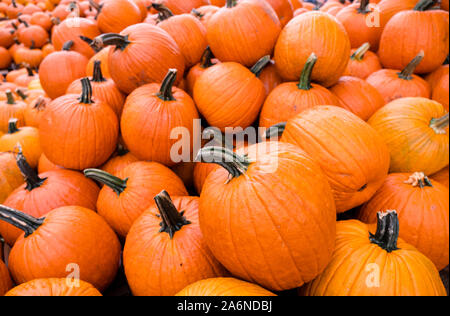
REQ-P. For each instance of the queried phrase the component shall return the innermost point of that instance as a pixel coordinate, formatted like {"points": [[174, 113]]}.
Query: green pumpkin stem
{"points": [[32, 179], [9, 97], [89, 42], [440, 125], [360, 52], [86, 91], [231, 3], [22, 221], [388, 228], [276, 130], [120, 41], [116, 184], [165, 93], [424, 5], [409, 69], [172, 220], [98, 75], [164, 12], [305, 78], [235, 164], [207, 57], [260, 65]]}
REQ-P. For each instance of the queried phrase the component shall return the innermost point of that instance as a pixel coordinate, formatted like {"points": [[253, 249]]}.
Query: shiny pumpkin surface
{"points": [[53, 287], [223, 287]]}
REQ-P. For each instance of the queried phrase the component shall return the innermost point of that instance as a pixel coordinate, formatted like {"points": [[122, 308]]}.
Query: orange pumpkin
{"points": [[5, 279], [270, 77], [440, 92], [32, 35], [10, 176], [223, 287], [54, 287], [362, 62], [34, 111], [196, 71], [418, 127], [204, 13], [389, 8], [45, 165], [350, 152], [310, 32], [201, 172], [6, 37], [101, 56], [275, 198], [283, 10], [442, 176], [114, 16], [31, 56], [122, 159], [42, 19], [434, 77], [185, 6], [5, 58], [9, 109]]}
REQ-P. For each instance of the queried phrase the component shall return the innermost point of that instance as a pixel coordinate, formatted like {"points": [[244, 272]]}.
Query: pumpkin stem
{"points": [[121, 42], [165, 93], [116, 184], [89, 42], [172, 220], [25, 222], [23, 22], [207, 56], [360, 52], [305, 78], [56, 21], [68, 45], [95, 5], [235, 164], [440, 125], [163, 12], [98, 75], [409, 69], [419, 179], [424, 5], [364, 7], [40, 103], [86, 91], [31, 177], [231, 3], [197, 14], [276, 130], [388, 228], [260, 65], [21, 94], [12, 126], [9, 97], [121, 150]]}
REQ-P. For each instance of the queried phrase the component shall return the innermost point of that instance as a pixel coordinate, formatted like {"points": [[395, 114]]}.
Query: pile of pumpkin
{"points": [[357, 93]]}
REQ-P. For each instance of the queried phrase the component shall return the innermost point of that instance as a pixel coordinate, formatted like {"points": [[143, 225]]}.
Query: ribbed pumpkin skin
{"points": [[28, 138], [102, 56], [404, 272], [389, 8], [9, 111], [147, 59], [201, 172], [358, 97], [287, 100], [53, 287], [117, 15], [409, 29], [423, 214], [270, 226], [404, 125], [434, 77], [206, 11], [441, 93], [270, 77], [50, 248], [223, 287], [442, 176], [113, 165], [156, 265], [189, 34], [70, 30], [45, 165], [147, 122], [145, 180], [350, 152], [391, 87], [91, 138], [62, 188], [283, 9], [363, 68], [313, 32], [10, 176], [229, 95], [244, 33], [5, 279]]}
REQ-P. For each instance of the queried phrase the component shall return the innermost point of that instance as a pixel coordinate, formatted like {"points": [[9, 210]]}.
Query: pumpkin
{"points": [[169, 236], [270, 77], [373, 261], [283, 10], [185, 6], [207, 60], [50, 243], [243, 31], [10, 176], [92, 136], [143, 54], [5, 279], [360, 28], [434, 77], [31, 56], [34, 111], [442, 176], [358, 97], [395, 84], [27, 138], [122, 159], [5, 58], [389, 8], [418, 127], [187, 31], [440, 92], [423, 212], [44, 192], [350, 152], [204, 13], [223, 287], [262, 192], [42, 19], [230, 95], [25, 79], [409, 30], [103, 89], [59, 69], [45, 165], [201, 172], [54, 287], [291, 98], [101, 56], [114, 16], [126, 196], [32, 35], [310, 32], [362, 62], [6, 37], [70, 30], [9, 109]]}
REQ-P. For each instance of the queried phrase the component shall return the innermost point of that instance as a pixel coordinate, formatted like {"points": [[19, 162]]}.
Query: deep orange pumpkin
{"points": [[362, 62], [10, 108], [34, 111], [114, 16], [53, 287], [442, 176], [441, 93], [223, 287], [5, 279], [434, 77], [283, 9], [45, 165], [123, 158], [204, 13], [270, 77], [10, 176], [184, 6], [195, 72], [101, 56]]}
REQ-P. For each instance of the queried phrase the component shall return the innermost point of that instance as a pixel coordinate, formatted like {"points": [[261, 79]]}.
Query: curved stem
{"points": [[424, 5], [116, 184], [103, 40], [231, 3], [165, 93], [86, 91], [364, 7], [9, 97], [164, 12], [305, 78], [172, 220], [98, 75], [387, 232], [68, 45], [25, 222], [419, 179], [207, 56], [21, 94], [197, 14], [30, 175], [360, 52], [260, 65], [12, 126], [440, 125], [276, 130], [409, 69]]}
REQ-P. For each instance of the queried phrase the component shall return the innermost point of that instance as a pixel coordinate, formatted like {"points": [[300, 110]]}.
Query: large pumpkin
{"points": [[54, 287], [372, 261], [243, 31], [441, 91], [164, 254], [5, 279], [416, 132], [316, 32], [223, 287], [423, 212], [350, 152], [289, 220], [362, 62]]}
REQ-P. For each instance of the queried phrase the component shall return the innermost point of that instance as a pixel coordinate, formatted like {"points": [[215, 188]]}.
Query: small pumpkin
{"points": [[42, 19], [10, 176], [283, 10], [31, 56], [32, 35], [201, 172], [5, 280], [34, 111], [362, 62], [223, 287], [123, 158], [10, 108], [270, 77], [114, 16], [389, 8], [207, 60], [204, 13], [53, 287], [5, 58]]}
